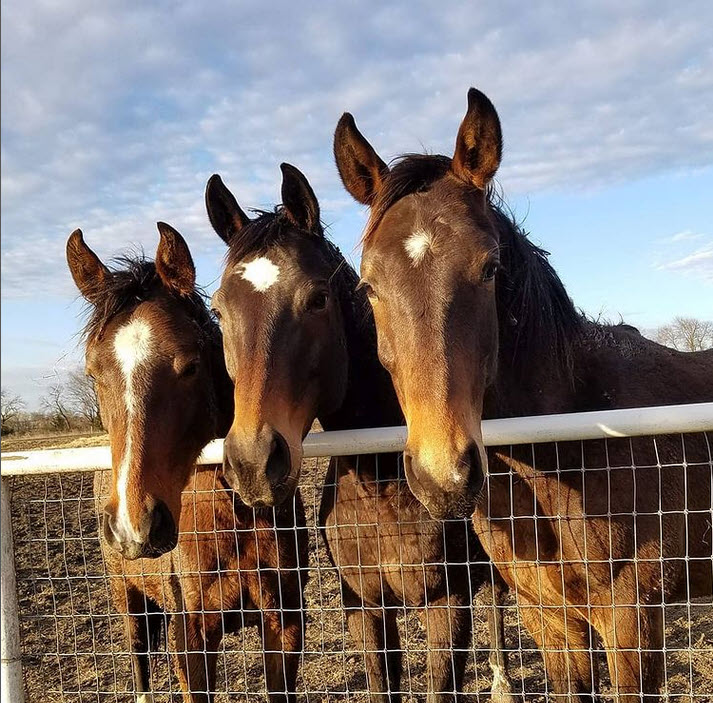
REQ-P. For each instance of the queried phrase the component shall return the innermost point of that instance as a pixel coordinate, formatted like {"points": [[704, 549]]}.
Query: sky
{"points": [[115, 114]]}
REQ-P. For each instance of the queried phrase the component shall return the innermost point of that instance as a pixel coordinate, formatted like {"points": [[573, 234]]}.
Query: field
{"points": [[69, 440], [73, 640]]}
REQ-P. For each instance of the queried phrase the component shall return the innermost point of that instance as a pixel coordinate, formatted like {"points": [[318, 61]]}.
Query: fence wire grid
{"points": [[74, 594]]}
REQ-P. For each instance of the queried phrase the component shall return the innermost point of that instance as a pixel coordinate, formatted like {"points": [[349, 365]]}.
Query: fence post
{"points": [[11, 685]]}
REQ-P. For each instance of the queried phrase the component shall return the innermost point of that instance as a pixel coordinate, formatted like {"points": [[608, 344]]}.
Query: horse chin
{"points": [[282, 492], [441, 503], [450, 506], [153, 549], [264, 494], [136, 550], [151, 552]]}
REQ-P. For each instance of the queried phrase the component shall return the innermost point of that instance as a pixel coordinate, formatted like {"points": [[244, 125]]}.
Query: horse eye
{"points": [[190, 369], [318, 301], [216, 312], [368, 289], [490, 269]]}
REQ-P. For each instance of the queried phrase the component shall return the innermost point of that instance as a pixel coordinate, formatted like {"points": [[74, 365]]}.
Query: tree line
{"points": [[686, 334], [66, 406]]}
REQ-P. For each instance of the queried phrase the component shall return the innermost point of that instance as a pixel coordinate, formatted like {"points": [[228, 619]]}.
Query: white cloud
{"points": [[688, 252], [114, 115], [698, 264], [685, 236]]}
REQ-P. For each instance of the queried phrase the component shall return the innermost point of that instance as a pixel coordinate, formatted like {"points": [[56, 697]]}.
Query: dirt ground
{"points": [[73, 638]]}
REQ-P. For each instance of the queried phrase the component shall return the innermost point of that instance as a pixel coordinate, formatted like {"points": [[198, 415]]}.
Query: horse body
{"points": [[232, 567], [388, 551], [590, 536], [206, 558], [391, 554], [622, 369], [623, 525]]}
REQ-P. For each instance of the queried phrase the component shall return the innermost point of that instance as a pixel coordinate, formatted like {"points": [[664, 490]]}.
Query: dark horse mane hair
{"points": [[536, 316], [258, 235], [132, 280]]}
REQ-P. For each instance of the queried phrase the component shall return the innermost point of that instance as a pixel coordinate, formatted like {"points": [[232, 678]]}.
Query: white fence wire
{"points": [[378, 577]]}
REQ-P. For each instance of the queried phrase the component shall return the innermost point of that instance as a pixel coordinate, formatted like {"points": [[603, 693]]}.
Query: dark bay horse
{"points": [[156, 356], [301, 338], [473, 322]]}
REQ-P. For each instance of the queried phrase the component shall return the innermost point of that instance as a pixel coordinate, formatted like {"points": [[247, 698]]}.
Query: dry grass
{"points": [[68, 440], [74, 648]]}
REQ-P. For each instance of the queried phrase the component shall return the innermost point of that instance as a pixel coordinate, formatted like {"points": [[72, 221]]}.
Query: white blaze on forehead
{"points": [[261, 272], [132, 347], [417, 244]]}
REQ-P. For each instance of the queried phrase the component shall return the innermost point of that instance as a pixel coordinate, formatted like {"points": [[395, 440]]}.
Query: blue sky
{"points": [[115, 114]]}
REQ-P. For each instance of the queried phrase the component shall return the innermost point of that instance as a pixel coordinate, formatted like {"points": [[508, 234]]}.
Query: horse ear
{"points": [[298, 199], [88, 272], [174, 263], [361, 169], [223, 210], [479, 144]]}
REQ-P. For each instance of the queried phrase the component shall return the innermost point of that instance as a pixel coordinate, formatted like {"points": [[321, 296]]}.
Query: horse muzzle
{"points": [[260, 469], [447, 492], [158, 526]]}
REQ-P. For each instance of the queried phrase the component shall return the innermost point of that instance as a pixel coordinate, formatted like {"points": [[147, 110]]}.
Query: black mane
{"points": [[538, 320], [134, 279]]}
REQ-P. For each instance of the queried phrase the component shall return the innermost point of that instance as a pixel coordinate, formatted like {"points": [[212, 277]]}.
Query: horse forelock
{"points": [[268, 229], [134, 279]]}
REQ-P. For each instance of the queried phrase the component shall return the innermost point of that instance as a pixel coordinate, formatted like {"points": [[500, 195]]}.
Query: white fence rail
{"points": [[628, 422], [655, 421]]}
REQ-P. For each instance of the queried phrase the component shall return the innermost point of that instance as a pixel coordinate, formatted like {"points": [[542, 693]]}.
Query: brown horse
{"points": [[301, 338], [458, 290], [156, 356]]}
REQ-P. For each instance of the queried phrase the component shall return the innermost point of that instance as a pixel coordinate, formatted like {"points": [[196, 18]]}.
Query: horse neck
{"points": [[523, 390], [223, 389], [370, 399]]}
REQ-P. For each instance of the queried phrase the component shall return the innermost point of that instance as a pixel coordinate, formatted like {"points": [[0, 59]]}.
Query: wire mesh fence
{"points": [[230, 595]]}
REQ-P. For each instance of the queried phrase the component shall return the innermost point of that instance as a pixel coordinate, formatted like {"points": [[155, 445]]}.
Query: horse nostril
{"points": [[162, 535], [226, 455], [108, 529], [229, 464], [474, 466], [278, 463]]}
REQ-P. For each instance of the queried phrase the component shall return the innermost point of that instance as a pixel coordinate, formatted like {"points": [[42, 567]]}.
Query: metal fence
{"points": [[64, 629]]}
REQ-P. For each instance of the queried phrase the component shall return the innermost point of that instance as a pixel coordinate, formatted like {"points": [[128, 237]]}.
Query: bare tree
{"points": [[55, 403], [11, 407], [82, 394], [686, 334]]}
